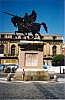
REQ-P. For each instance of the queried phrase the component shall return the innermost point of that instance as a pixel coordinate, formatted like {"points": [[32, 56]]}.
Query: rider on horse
{"points": [[27, 24]]}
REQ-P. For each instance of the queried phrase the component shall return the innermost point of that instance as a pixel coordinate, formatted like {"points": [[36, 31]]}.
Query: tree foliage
{"points": [[58, 60]]}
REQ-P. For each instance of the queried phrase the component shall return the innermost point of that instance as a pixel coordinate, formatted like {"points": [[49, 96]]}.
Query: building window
{"points": [[54, 50], [1, 49], [13, 36], [54, 37], [22, 37], [2, 36], [12, 50], [30, 36]]}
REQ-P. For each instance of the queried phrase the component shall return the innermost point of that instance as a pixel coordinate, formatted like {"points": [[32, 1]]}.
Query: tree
{"points": [[58, 60]]}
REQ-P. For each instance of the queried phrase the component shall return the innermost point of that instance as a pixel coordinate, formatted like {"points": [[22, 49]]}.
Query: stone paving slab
{"points": [[31, 90]]}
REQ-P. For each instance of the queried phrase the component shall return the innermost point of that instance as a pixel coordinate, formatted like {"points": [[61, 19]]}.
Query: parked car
{"points": [[1, 67], [10, 68]]}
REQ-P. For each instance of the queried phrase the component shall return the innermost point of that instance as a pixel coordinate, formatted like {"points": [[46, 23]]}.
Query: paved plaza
{"points": [[32, 90]]}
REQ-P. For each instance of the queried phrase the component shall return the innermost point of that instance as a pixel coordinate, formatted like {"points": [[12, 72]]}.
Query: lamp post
{"points": [[60, 67]]}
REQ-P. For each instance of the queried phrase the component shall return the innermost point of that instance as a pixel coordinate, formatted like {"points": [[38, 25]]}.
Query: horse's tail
{"points": [[45, 27]]}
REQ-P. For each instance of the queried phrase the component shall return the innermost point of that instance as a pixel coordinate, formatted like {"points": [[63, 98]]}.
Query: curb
{"points": [[16, 81]]}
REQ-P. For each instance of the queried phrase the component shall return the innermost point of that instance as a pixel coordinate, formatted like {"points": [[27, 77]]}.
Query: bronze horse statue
{"points": [[27, 24]]}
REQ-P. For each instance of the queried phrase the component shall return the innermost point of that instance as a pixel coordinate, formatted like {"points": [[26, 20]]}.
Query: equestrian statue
{"points": [[27, 24]]}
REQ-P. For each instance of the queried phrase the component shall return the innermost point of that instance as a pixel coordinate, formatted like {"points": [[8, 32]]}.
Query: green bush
{"points": [[58, 60]]}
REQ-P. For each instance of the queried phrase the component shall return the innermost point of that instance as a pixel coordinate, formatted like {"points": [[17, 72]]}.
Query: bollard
{"points": [[9, 77], [55, 77], [63, 71]]}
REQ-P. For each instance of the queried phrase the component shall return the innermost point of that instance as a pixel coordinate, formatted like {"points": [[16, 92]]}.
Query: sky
{"points": [[49, 11]]}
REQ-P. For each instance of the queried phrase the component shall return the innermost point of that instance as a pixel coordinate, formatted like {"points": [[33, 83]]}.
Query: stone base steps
{"points": [[31, 75]]}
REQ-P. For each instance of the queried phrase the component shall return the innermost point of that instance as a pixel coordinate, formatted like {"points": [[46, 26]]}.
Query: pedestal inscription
{"points": [[31, 59]]}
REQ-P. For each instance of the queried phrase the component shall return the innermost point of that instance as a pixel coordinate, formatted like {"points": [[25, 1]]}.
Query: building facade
{"points": [[9, 49], [63, 48]]}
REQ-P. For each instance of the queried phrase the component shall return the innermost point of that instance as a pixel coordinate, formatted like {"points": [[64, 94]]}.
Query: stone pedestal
{"points": [[31, 54], [31, 61]]}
